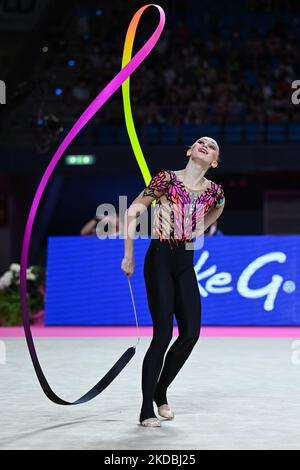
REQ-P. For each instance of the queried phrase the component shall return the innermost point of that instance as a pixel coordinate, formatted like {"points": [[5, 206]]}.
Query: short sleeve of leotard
{"points": [[158, 185], [220, 199]]}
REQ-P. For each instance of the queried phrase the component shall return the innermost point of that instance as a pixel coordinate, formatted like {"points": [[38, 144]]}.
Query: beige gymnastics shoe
{"points": [[165, 412], [151, 423]]}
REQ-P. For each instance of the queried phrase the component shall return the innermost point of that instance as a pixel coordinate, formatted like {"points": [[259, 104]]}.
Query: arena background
{"points": [[228, 70]]}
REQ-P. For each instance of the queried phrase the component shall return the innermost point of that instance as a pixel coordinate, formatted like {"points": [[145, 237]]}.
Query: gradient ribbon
{"points": [[127, 52], [128, 67]]}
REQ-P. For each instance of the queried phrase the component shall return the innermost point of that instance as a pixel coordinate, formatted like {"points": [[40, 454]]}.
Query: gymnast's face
{"points": [[206, 149]]}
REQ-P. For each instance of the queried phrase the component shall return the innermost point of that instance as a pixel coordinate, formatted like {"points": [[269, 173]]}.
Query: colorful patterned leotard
{"points": [[176, 219]]}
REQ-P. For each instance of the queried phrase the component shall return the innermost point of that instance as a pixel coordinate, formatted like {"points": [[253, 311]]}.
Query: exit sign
{"points": [[80, 159]]}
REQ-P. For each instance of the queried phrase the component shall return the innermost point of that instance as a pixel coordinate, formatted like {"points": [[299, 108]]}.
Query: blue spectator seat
{"points": [[122, 135], [151, 133], [106, 135], [253, 132], [233, 133], [169, 134], [189, 133], [294, 132], [276, 132], [211, 130]]}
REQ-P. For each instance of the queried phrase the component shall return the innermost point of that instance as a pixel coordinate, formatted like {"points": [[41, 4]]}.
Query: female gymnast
{"points": [[170, 279]]}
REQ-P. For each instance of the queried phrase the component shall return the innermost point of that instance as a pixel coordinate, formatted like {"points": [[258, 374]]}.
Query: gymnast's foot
{"points": [[149, 420], [163, 408], [166, 412], [162, 404], [151, 423]]}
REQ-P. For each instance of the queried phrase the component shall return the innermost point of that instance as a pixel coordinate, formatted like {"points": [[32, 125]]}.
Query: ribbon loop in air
{"points": [[98, 102]]}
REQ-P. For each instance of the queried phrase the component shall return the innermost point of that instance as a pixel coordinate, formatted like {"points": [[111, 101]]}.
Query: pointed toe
{"points": [[151, 423], [165, 412]]}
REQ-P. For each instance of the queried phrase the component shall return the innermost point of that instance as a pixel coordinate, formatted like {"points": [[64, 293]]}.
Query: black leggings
{"points": [[172, 287]]}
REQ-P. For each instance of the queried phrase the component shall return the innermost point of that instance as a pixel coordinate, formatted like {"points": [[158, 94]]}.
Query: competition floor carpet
{"points": [[232, 393]]}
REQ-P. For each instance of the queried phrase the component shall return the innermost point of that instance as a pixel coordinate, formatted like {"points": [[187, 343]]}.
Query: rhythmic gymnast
{"points": [[170, 279]]}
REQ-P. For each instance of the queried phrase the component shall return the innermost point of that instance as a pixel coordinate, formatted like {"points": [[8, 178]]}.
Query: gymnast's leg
{"points": [[160, 295], [188, 316]]}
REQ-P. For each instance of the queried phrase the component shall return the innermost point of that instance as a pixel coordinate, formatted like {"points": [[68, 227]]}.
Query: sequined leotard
{"points": [[177, 217]]}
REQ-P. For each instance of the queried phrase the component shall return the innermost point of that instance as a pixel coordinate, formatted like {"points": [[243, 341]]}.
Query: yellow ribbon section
{"points": [[127, 54]]}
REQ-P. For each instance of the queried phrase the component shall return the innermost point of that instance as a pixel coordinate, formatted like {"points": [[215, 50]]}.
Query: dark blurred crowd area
{"points": [[216, 62], [230, 68]]}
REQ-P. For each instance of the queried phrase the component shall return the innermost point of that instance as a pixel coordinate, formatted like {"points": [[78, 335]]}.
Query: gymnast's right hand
{"points": [[127, 265]]}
